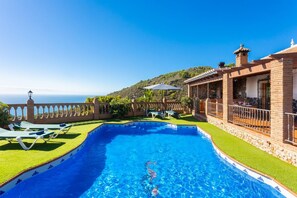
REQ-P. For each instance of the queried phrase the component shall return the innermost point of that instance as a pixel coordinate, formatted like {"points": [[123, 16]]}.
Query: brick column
{"points": [[198, 106], [30, 110], [197, 91], [227, 95], [281, 78], [96, 109], [195, 106], [189, 90]]}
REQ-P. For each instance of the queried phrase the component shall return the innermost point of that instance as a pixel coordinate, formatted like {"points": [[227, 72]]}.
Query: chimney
{"points": [[241, 55], [221, 64]]}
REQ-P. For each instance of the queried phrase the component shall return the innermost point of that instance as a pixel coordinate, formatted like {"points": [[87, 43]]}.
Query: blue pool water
{"points": [[113, 160]]}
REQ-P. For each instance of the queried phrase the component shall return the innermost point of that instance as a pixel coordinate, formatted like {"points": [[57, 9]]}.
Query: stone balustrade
{"points": [[73, 112], [18, 112]]}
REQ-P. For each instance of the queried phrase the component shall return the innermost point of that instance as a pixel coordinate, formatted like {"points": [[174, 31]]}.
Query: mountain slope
{"points": [[174, 78]]}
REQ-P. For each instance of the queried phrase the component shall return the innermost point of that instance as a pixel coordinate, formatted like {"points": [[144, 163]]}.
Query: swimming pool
{"points": [[114, 163]]}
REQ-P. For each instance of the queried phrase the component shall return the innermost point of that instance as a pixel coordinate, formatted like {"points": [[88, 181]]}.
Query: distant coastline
{"points": [[22, 98]]}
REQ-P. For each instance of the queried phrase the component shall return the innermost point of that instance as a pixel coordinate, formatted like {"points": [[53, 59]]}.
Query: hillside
{"points": [[174, 78]]}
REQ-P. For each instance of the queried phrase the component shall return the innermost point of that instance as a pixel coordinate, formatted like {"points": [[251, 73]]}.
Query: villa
{"points": [[255, 100]]}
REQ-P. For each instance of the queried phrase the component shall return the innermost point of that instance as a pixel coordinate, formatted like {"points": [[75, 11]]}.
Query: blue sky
{"points": [[96, 47]]}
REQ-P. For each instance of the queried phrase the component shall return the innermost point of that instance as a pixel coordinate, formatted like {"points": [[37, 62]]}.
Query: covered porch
{"points": [[259, 96]]}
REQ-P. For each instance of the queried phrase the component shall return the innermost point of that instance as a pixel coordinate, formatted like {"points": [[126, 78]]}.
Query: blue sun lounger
{"points": [[172, 113], [29, 126], [155, 114], [19, 135]]}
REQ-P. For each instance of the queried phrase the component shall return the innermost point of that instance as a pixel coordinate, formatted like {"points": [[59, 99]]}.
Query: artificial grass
{"points": [[14, 160], [253, 157]]}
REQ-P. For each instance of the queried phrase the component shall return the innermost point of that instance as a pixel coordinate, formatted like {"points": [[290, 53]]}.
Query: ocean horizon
{"points": [[42, 98]]}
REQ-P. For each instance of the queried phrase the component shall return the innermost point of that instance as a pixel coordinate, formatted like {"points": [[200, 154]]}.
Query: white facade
{"points": [[252, 85]]}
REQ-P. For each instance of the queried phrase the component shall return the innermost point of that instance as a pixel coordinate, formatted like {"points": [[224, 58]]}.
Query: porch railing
{"points": [[252, 118], [292, 128], [215, 109], [202, 106]]}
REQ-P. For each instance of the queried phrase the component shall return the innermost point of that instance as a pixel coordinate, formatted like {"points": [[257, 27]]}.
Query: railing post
{"points": [[206, 106], [30, 110], [96, 109]]}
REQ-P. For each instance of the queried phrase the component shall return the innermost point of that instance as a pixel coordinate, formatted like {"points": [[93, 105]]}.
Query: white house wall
{"points": [[252, 85]]}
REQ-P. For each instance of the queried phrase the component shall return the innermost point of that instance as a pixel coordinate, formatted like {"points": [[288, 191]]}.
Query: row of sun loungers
{"points": [[41, 131], [29, 132], [162, 114]]}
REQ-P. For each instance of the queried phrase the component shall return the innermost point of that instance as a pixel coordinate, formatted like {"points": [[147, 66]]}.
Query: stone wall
{"points": [[284, 152]]}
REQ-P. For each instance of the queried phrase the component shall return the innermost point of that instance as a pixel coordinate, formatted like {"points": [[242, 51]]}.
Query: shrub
{"points": [[106, 99], [89, 100], [186, 102], [4, 114], [119, 107]]}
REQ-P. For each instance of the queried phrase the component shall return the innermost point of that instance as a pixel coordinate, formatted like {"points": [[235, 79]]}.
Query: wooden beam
{"points": [[205, 81], [256, 69], [261, 61]]}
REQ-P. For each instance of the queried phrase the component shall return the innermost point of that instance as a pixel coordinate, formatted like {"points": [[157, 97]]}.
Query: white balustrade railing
{"points": [[18, 112], [68, 112]]}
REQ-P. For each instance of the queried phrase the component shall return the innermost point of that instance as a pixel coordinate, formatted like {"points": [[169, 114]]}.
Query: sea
{"points": [[22, 99]]}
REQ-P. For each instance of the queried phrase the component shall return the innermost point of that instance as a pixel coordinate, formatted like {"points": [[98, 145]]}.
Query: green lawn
{"points": [[14, 160]]}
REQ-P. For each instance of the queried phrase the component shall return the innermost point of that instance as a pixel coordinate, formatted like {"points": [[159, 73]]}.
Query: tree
{"points": [[4, 114], [230, 65], [148, 95]]}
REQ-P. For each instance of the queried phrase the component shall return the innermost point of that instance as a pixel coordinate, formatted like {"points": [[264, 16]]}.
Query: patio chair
{"points": [[29, 126], [19, 135], [171, 113]]}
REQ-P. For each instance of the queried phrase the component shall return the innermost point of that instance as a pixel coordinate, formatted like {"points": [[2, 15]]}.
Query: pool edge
{"points": [[285, 191]]}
